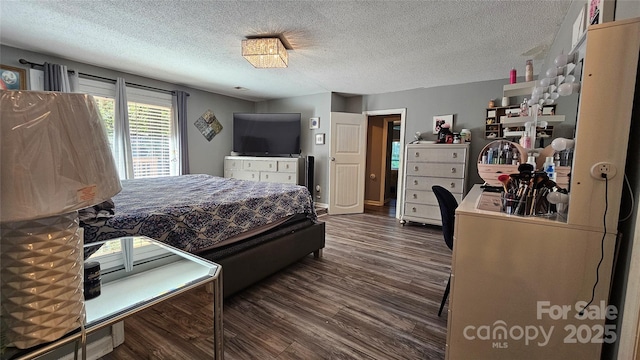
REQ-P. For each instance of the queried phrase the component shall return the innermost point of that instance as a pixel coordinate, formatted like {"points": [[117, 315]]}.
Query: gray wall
{"points": [[467, 102], [204, 157], [318, 105]]}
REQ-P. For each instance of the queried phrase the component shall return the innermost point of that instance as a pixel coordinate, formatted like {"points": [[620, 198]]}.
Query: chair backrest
{"points": [[448, 205]]}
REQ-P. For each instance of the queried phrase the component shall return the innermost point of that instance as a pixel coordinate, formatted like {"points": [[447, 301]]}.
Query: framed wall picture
{"points": [[314, 123], [440, 120], [600, 11], [12, 78], [579, 27], [319, 139]]}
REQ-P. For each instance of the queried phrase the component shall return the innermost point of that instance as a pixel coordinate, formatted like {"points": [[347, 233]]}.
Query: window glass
{"points": [[150, 131], [395, 155]]}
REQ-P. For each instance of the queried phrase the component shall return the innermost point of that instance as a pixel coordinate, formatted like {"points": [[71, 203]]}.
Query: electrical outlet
{"points": [[606, 168]]}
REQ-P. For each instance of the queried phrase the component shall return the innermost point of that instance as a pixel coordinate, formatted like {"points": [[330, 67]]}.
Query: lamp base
{"points": [[41, 279]]}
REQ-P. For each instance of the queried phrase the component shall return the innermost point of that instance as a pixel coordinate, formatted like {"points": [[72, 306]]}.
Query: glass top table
{"points": [[138, 272]]}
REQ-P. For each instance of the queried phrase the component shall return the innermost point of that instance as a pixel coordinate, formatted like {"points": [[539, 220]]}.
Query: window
{"points": [[150, 131], [149, 125], [395, 155], [106, 106]]}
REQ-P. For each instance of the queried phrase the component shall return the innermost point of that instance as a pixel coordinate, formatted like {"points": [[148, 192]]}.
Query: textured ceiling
{"points": [[350, 47]]}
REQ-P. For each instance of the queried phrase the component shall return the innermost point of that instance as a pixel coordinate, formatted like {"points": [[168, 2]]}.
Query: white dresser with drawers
{"points": [[427, 165], [265, 169]]}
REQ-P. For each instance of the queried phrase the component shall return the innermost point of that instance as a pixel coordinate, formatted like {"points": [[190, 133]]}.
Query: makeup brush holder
{"points": [[528, 204]]}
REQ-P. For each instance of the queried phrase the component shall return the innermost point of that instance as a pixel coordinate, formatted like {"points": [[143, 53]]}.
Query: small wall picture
{"points": [[579, 27], [208, 125], [314, 123], [440, 120], [319, 139], [600, 11], [12, 78]]}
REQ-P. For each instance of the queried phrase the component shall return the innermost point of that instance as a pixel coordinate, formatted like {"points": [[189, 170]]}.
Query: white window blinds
{"points": [[150, 132]]}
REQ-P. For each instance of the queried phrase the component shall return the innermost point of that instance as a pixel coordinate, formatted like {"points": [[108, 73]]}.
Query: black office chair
{"points": [[448, 205]]}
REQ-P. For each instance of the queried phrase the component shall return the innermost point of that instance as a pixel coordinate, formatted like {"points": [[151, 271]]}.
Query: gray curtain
{"points": [[56, 78], [180, 126], [121, 140]]}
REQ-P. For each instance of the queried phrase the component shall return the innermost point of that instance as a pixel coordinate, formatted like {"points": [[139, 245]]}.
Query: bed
{"points": [[252, 229]]}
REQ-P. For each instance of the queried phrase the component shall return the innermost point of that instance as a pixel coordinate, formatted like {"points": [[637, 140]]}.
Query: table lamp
{"points": [[55, 160]]}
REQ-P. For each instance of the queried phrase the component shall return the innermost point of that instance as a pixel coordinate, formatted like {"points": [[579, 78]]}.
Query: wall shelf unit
{"points": [[518, 89], [514, 126], [492, 127], [505, 122]]}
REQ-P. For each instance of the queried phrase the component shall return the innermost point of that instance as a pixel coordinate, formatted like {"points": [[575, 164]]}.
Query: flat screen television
{"points": [[266, 134]]}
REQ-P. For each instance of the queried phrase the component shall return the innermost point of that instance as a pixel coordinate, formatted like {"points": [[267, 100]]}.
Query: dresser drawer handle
{"points": [[266, 176], [414, 209], [417, 154], [454, 155], [415, 196], [248, 164], [415, 168], [453, 170], [453, 185], [289, 177], [270, 166], [415, 182], [286, 166], [253, 176]]}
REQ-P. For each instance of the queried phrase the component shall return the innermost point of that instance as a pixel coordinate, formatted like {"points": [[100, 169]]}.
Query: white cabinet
{"points": [[427, 165], [508, 271], [265, 169]]}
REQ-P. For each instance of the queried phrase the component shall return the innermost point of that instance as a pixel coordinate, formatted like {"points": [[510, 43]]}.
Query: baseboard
{"points": [[321, 205], [321, 209]]}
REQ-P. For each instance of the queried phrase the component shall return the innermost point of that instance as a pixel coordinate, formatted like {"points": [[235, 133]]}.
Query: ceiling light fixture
{"points": [[265, 53]]}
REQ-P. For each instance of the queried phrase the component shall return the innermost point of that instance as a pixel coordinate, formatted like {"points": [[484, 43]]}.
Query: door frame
{"points": [[403, 120], [384, 159]]}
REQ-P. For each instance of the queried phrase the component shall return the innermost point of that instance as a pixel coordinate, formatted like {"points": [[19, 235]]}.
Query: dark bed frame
{"points": [[251, 261]]}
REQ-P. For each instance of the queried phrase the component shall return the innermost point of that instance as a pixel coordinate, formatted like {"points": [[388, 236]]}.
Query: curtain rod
{"points": [[34, 65]]}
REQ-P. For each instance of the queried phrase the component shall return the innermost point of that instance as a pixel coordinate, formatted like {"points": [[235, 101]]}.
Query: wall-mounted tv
{"points": [[266, 134]]}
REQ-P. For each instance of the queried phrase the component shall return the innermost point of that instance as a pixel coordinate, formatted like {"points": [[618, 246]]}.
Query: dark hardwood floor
{"points": [[389, 209], [374, 295]]}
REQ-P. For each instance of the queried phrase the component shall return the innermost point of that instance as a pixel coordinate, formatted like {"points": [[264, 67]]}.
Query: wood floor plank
{"points": [[374, 295]]}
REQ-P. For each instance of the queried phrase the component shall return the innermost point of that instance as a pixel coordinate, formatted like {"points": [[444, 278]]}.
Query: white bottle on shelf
{"points": [[550, 168]]}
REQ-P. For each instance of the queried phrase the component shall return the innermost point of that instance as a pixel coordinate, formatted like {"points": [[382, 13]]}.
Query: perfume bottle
{"points": [[512, 76], [528, 75]]}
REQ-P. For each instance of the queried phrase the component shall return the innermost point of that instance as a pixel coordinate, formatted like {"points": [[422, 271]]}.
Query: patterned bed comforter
{"points": [[196, 212]]}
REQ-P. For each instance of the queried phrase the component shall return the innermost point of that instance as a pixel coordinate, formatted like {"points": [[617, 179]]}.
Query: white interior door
{"points": [[347, 160]]}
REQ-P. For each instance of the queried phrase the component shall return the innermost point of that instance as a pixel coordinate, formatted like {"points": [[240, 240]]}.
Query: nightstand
{"points": [[138, 272]]}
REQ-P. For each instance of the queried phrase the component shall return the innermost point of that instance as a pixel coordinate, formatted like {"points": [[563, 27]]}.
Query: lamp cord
{"points": [[626, 181], [604, 234]]}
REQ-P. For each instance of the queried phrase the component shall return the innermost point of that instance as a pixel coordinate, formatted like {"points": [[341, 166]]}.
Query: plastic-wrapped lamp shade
{"points": [[55, 155], [55, 160]]}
